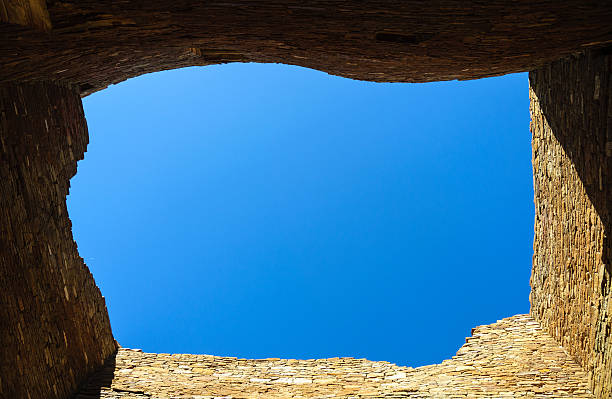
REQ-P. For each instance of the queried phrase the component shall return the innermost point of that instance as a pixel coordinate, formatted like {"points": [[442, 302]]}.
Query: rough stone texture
{"points": [[54, 327], [31, 13], [94, 43], [509, 359], [571, 110]]}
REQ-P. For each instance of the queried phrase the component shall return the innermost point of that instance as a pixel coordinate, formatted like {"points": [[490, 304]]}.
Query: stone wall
{"points": [[94, 43], [54, 327], [509, 359], [571, 111], [31, 13]]}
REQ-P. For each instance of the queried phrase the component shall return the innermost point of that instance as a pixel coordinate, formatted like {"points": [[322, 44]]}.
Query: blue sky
{"points": [[258, 210]]}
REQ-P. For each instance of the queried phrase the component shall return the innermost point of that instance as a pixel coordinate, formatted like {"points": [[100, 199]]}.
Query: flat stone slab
{"points": [[508, 359]]}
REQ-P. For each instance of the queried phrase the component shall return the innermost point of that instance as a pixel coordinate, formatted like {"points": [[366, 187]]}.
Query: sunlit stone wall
{"points": [[509, 359], [571, 111]]}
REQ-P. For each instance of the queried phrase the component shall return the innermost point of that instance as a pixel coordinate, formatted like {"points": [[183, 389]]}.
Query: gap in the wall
{"points": [[273, 211]]}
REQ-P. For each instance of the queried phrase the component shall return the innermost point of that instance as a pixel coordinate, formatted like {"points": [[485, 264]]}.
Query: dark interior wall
{"points": [[571, 110], [54, 327], [93, 43]]}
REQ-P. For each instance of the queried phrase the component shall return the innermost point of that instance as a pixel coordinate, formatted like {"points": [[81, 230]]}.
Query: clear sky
{"points": [[274, 211]]}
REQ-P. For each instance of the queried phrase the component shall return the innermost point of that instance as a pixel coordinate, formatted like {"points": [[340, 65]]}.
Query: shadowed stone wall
{"points": [[32, 13], [94, 43], [571, 111], [54, 327]]}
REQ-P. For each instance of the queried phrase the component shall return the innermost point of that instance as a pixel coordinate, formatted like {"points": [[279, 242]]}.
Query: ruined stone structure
{"points": [[571, 111], [55, 334], [54, 324], [510, 358]]}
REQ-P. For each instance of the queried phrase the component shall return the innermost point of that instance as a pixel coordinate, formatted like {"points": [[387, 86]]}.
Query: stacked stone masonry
{"points": [[512, 358], [54, 327], [31, 13], [94, 43], [571, 111]]}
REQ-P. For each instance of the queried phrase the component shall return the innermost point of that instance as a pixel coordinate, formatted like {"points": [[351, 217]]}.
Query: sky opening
{"points": [[262, 210]]}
